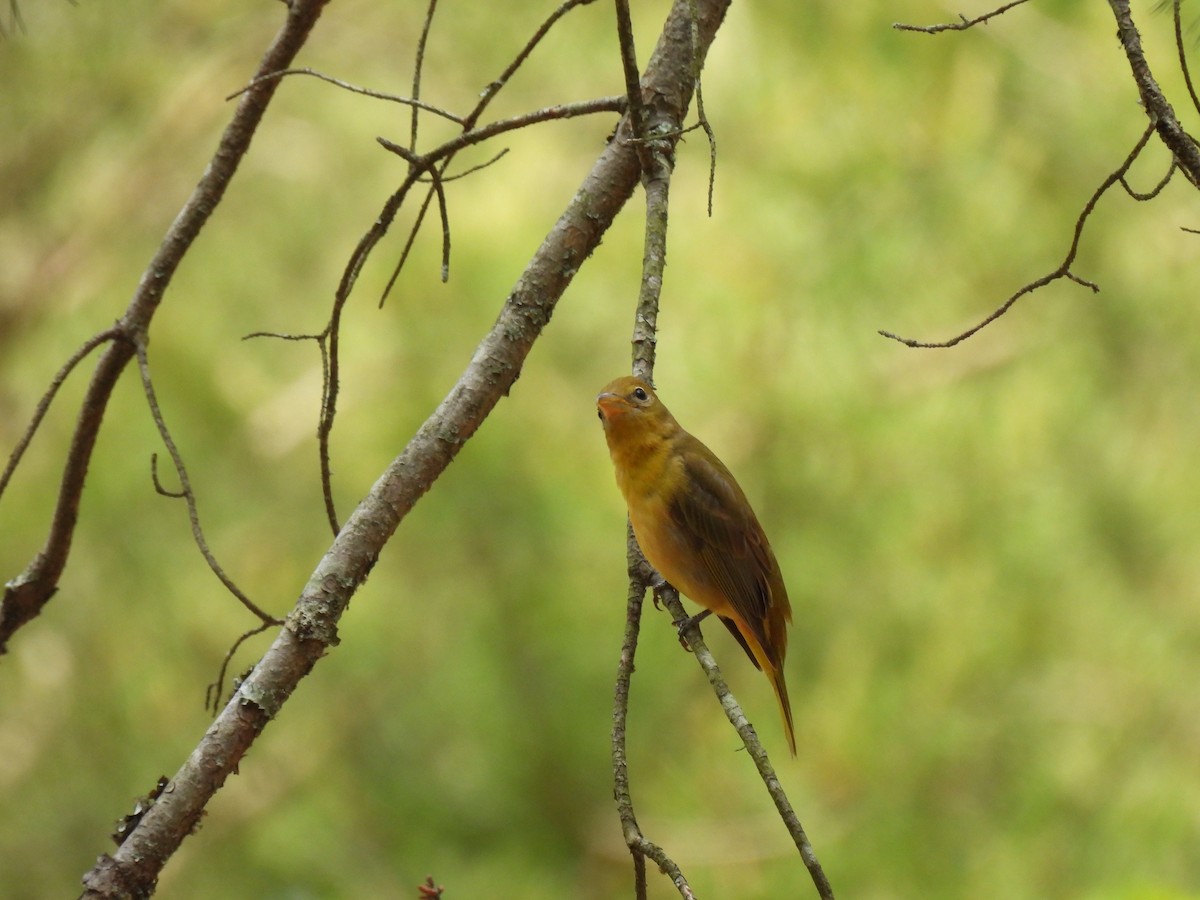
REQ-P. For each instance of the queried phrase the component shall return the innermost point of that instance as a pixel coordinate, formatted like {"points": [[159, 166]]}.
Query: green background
{"points": [[991, 550]]}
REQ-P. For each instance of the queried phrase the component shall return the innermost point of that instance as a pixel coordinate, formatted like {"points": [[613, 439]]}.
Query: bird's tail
{"points": [[768, 662], [785, 706]]}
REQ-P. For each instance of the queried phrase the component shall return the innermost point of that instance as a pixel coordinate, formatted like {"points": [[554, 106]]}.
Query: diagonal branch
{"points": [[733, 711], [28, 592]]}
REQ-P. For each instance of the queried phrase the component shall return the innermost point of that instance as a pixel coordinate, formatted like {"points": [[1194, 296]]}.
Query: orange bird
{"points": [[696, 527]]}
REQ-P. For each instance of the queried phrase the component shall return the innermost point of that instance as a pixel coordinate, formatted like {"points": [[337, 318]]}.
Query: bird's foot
{"points": [[657, 586], [683, 625]]}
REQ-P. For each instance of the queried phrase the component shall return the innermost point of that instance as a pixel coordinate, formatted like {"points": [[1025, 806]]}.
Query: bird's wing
{"points": [[728, 539]]}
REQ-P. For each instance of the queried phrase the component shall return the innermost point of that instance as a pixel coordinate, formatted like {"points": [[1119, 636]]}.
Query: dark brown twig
{"points": [[962, 25], [702, 120], [380, 227], [1142, 196], [1063, 270], [468, 123], [1182, 51], [633, 85]]}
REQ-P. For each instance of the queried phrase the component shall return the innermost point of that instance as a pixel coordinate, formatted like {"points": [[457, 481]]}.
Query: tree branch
{"points": [[1162, 115]]}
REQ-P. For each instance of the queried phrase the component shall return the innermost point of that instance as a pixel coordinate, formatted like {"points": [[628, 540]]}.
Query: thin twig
{"points": [[445, 153], [470, 170], [468, 123], [1063, 270], [322, 342], [1183, 62], [380, 227], [212, 693], [415, 229], [629, 68], [43, 405], [418, 67], [355, 89], [961, 25], [701, 115], [421, 164], [497, 84], [1142, 196], [185, 491]]}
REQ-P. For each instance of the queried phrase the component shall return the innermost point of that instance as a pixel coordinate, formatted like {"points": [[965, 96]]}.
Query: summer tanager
{"points": [[696, 527]]}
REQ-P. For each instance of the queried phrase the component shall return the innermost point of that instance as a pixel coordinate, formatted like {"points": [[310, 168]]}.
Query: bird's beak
{"points": [[611, 404]]}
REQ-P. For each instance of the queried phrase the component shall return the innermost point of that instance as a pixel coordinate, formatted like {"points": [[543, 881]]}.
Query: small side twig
{"points": [[468, 124], [43, 406], [322, 342], [701, 115], [214, 691], [354, 89], [629, 68], [185, 490], [383, 222], [962, 25]]}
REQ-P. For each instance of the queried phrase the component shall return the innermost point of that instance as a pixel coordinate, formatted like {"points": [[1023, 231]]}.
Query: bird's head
{"points": [[629, 405]]}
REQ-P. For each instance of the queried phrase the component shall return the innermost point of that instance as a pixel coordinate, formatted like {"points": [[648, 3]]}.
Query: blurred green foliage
{"points": [[991, 549]]}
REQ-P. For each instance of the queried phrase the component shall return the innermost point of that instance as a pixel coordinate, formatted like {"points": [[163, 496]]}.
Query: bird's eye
{"points": [[640, 393]]}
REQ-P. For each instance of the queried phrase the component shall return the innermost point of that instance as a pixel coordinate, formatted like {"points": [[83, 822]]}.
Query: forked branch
{"points": [[1184, 150]]}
